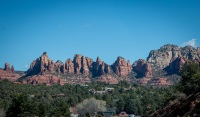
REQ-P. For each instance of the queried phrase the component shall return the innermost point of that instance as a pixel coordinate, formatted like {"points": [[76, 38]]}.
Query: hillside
{"points": [[183, 108]]}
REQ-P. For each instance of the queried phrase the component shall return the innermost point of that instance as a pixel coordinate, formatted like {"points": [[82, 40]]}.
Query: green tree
{"points": [[120, 105], [41, 110], [61, 110], [190, 81], [130, 106], [21, 106]]}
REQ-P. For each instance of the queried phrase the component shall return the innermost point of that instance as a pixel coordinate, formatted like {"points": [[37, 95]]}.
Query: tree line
{"points": [[21, 100]]}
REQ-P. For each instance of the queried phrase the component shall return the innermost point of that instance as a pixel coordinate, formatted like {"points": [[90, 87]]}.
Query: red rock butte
{"points": [[164, 63]]}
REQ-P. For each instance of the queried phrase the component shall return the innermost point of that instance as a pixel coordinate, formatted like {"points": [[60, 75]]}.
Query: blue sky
{"points": [[105, 28]]}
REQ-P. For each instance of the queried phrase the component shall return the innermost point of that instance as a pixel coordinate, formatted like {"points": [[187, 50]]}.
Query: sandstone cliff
{"points": [[142, 68], [121, 67], [168, 54], [8, 73], [81, 67]]}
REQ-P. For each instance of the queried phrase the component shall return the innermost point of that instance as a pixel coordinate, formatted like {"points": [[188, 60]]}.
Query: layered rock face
{"points": [[177, 64], [171, 58], [69, 66], [8, 73], [77, 63], [46, 78], [121, 67], [169, 53], [41, 71], [142, 68], [108, 79], [80, 66], [41, 64], [100, 68]]}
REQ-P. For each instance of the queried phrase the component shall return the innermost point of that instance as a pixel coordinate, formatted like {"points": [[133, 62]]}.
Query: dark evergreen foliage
{"points": [[42, 100]]}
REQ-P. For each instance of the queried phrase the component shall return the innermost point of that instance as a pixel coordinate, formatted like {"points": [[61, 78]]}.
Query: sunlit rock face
{"points": [[8, 73], [169, 53], [121, 67], [171, 58]]}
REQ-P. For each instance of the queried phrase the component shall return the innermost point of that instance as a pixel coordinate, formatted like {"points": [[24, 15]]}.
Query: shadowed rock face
{"points": [[142, 68], [69, 66], [77, 63], [100, 68]]}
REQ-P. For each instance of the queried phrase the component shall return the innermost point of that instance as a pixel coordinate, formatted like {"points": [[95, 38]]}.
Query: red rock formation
{"points": [[12, 69], [40, 65], [122, 68], [143, 68], [77, 63], [59, 65], [82, 64], [51, 66], [7, 67], [44, 62], [100, 68], [160, 82], [8, 73], [144, 81], [108, 79], [107, 68], [46, 78], [89, 62], [177, 64], [85, 68], [164, 56], [69, 66]]}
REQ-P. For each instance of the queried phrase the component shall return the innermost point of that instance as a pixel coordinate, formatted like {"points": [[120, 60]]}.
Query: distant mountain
{"points": [[161, 68]]}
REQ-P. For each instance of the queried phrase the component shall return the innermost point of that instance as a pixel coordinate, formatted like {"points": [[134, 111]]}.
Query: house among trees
{"points": [[109, 89], [123, 114]]}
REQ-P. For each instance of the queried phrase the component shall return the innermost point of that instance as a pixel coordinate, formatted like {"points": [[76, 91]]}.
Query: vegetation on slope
{"points": [[42, 100]]}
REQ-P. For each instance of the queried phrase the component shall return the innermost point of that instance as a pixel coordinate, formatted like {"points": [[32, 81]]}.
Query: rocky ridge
{"points": [[161, 67], [80, 70]]}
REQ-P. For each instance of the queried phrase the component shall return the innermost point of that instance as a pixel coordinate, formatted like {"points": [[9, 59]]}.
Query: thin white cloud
{"points": [[26, 66], [191, 42]]}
